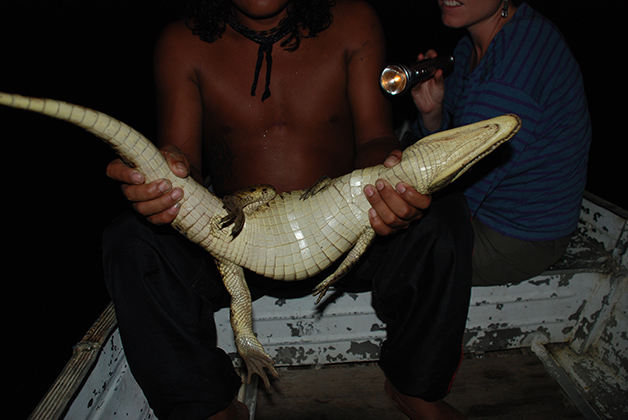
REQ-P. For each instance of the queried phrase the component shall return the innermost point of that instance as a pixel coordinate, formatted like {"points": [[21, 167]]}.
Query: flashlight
{"points": [[399, 78]]}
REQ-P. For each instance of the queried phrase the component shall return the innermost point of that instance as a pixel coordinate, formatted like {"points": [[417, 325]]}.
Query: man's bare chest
{"points": [[303, 92], [242, 69]]}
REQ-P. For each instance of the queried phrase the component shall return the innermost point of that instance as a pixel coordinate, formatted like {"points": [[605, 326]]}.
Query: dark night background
{"points": [[98, 54]]}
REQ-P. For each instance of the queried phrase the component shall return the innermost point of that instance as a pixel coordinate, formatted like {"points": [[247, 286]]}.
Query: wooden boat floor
{"points": [[504, 385]]}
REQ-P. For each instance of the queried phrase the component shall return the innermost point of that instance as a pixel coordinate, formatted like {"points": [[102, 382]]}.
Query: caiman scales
{"points": [[287, 236]]}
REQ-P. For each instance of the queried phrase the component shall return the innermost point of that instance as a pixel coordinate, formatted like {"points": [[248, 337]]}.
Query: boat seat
{"points": [[346, 329], [583, 253]]}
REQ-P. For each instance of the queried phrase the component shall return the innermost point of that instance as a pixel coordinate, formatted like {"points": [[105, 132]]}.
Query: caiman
{"points": [[287, 236]]}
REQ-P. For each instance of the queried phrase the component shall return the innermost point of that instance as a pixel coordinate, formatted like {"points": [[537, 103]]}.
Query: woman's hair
{"points": [[306, 18]]}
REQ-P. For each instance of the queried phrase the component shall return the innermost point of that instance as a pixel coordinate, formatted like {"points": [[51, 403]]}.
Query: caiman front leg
{"points": [[364, 241], [249, 199], [249, 347], [319, 186]]}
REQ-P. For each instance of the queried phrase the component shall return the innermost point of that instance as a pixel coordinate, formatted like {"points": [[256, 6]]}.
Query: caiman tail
{"points": [[136, 151]]}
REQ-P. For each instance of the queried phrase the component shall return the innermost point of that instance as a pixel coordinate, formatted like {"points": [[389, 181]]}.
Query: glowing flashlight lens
{"points": [[393, 80]]}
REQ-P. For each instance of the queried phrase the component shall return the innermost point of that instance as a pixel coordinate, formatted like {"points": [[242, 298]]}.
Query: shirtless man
{"points": [[322, 94], [321, 113]]}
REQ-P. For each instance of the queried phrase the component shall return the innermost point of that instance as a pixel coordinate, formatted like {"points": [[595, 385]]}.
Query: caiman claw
{"points": [[256, 360]]}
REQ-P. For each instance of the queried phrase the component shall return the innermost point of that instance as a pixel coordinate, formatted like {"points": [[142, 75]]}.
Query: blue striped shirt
{"points": [[531, 188]]}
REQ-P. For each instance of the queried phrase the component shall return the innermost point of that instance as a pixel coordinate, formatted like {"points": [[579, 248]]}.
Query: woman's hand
{"points": [[429, 95]]}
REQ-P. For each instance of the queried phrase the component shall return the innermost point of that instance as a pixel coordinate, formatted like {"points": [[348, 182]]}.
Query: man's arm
{"points": [[179, 114], [393, 208], [179, 102]]}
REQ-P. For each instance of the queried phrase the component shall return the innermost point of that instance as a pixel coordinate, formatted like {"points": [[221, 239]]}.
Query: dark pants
{"points": [[165, 290]]}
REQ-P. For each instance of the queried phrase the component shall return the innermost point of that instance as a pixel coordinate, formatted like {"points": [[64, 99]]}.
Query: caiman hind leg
{"points": [[249, 347], [242, 203], [364, 241]]}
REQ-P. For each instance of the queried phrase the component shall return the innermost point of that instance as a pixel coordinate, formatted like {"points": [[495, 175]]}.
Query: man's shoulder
{"points": [[354, 21], [353, 6], [354, 11], [178, 42], [177, 30]]}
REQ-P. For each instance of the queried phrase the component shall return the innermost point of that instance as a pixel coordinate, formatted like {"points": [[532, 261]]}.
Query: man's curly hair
{"points": [[307, 18]]}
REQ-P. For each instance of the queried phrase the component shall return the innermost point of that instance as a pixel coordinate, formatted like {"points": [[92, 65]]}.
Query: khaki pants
{"points": [[499, 259]]}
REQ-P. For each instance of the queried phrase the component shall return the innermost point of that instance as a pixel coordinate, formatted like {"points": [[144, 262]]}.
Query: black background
{"points": [[57, 199]]}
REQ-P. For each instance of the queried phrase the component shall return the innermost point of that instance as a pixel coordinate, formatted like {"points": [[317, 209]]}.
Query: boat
{"points": [[573, 318]]}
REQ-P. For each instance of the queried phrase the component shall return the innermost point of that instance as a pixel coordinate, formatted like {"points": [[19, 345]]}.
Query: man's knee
{"points": [[127, 243], [451, 219], [123, 231]]}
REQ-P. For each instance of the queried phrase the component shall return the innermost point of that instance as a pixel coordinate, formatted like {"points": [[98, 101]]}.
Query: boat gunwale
{"points": [[85, 354]]}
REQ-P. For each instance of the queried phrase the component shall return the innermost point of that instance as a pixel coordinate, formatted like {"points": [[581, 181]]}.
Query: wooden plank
{"points": [[503, 385], [509, 385], [331, 392]]}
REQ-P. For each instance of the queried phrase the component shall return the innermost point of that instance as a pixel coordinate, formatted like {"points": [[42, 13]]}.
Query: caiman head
{"points": [[440, 158]]}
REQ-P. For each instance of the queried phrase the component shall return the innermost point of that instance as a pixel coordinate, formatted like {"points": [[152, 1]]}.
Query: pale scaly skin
{"points": [[288, 236]]}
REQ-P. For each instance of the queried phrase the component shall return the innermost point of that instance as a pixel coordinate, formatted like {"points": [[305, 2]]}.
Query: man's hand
{"points": [[394, 209], [158, 201]]}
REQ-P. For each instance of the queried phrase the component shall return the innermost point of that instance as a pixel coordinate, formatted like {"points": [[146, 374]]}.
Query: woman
{"points": [[525, 198]]}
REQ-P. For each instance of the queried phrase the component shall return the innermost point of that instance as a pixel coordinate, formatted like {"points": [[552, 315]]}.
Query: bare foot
{"points": [[235, 411], [418, 409]]}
